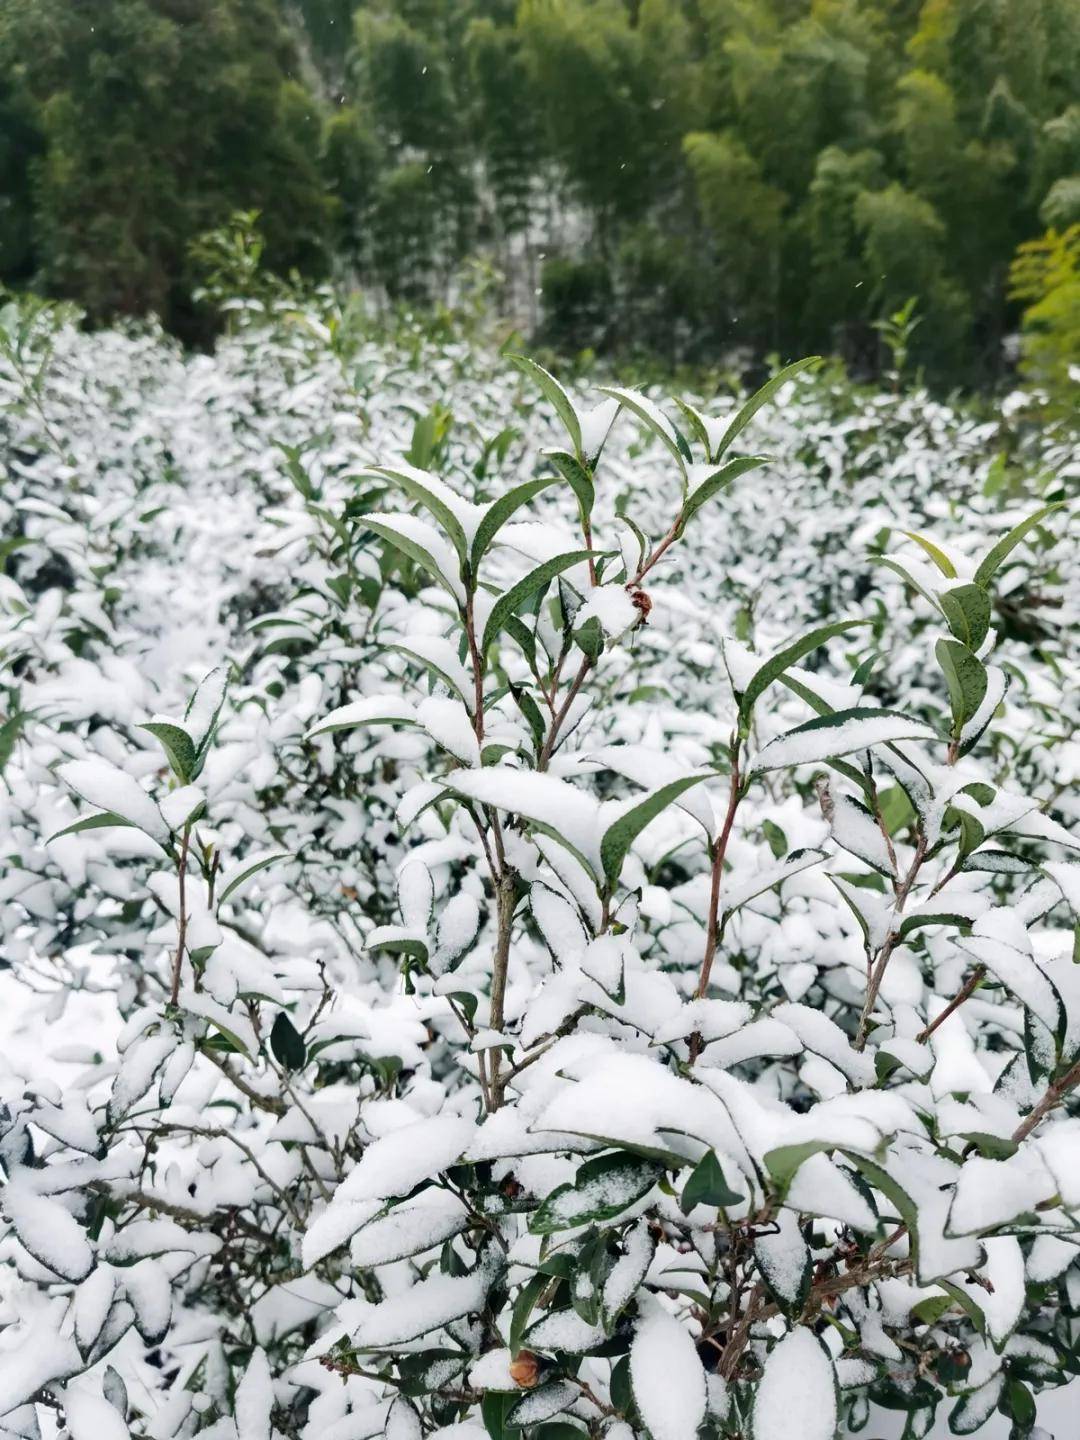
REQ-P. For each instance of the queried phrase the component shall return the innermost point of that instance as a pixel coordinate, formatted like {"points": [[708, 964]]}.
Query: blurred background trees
{"points": [[675, 178]]}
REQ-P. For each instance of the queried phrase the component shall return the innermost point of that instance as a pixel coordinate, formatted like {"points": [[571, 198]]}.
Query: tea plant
{"points": [[545, 1009]]}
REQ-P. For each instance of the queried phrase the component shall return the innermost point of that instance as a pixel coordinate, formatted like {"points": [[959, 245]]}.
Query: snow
{"points": [[373, 710], [48, 1231], [447, 722], [427, 1306], [396, 1163], [613, 607], [797, 1381], [408, 1229], [667, 1378], [990, 1193], [809, 746], [254, 1399], [109, 788], [628, 1271], [564, 1330], [572, 815], [38, 1356], [783, 1257], [91, 1417]]}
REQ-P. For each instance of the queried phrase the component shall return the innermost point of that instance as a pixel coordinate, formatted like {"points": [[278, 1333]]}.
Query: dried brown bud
{"points": [[825, 800], [525, 1370], [643, 603]]}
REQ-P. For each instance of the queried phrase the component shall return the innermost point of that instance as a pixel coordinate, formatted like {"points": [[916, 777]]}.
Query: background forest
{"points": [[684, 179]]}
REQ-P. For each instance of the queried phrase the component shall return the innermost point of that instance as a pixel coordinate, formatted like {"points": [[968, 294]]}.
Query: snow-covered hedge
{"points": [[527, 917]]}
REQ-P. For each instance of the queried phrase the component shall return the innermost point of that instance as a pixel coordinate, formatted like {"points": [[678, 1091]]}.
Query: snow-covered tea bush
{"points": [[519, 941]]}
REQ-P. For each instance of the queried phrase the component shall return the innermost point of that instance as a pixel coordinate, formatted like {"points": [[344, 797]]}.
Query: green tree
{"points": [[904, 248], [159, 118], [742, 214], [839, 295], [1045, 275]]}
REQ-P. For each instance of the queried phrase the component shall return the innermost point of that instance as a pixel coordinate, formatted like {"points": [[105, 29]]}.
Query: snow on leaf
{"points": [[396, 1163], [570, 815], [667, 1378], [428, 1305], [372, 710], [603, 1188], [784, 1259], [564, 1330], [91, 1417], [408, 1229], [48, 1231], [113, 790], [764, 674], [829, 736], [254, 1399], [629, 1270], [798, 1380]]}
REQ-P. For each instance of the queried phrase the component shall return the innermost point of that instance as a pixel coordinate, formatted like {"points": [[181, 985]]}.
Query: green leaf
{"points": [[524, 1305], [555, 394], [494, 1408], [707, 1186], [1020, 1405], [783, 1162], [577, 477], [523, 638], [178, 746], [246, 871], [559, 1430], [622, 1396], [930, 1310], [841, 733], [511, 600], [10, 731], [286, 1043], [602, 1189], [618, 837], [652, 417], [965, 676], [905, 1207], [971, 1308], [589, 639], [413, 549], [414, 483], [696, 422], [967, 609], [717, 481], [936, 554], [778, 663], [499, 512], [532, 713], [762, 397], [100, 821], [1005, 546]]}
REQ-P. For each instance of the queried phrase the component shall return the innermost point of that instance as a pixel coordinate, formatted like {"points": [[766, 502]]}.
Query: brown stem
{"points": [[561, 714], [877, 972], [477, 668], [712, 932], [270, 1103], [505, 900], [664, 545], [970, 985], [586, 533], [1053, 1097], [181, 924]]}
